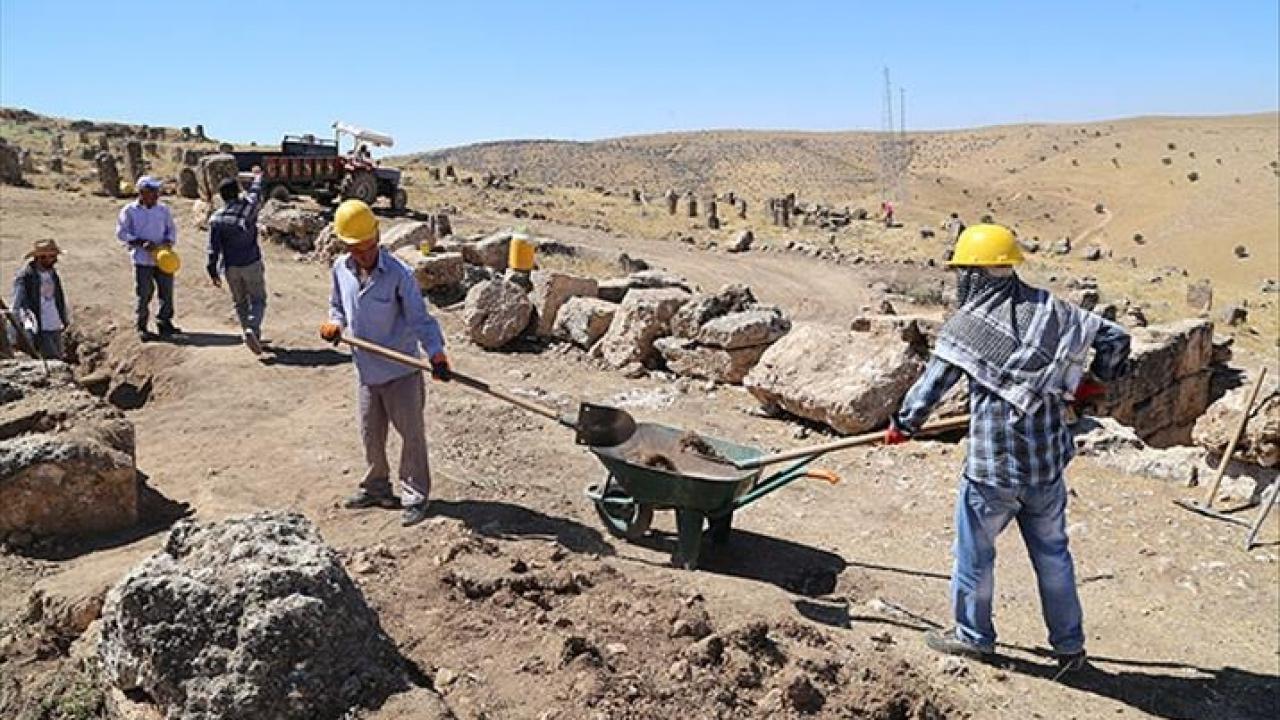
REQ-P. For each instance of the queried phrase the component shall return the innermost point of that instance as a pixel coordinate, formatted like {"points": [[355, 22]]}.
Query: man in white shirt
{"points": [[38, 298]]}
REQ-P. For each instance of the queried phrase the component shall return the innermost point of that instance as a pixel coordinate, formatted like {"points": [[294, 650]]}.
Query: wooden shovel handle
{"points": [[468, 381], [866, 439]]}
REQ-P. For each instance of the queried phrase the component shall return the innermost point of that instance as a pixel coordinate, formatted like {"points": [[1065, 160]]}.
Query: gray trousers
{"points": [[249, 293], [148, 280], [399, 402]]}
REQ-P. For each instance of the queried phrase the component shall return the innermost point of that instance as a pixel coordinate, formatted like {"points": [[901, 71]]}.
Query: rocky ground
{"points": [[514, 602]]}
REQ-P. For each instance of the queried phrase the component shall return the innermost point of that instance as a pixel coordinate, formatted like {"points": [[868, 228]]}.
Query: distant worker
{"points": [[38, 299], [954, 227], [375, 297], [886, 210], [234, 252], [146, 226], [1023, 352], [362, 153]]}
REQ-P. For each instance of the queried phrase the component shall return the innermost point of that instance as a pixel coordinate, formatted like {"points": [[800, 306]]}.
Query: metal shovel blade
{"points": [[603, 426]]}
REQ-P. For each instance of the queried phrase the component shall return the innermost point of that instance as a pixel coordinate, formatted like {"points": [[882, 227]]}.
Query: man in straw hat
{"points": [[144, 226], [375, 297], [38, 298]]}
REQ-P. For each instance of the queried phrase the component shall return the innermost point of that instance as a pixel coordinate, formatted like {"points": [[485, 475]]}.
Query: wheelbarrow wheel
{"points": [[621, 515]]}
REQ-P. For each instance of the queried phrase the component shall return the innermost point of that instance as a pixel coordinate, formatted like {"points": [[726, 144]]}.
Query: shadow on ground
{"points": [[505, 521], [304, 357]]}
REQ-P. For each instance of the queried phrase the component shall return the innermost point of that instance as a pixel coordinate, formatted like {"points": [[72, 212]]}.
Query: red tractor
{"points": [[307, 165]]}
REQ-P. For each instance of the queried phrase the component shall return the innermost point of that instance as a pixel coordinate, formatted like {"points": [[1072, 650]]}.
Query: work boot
{"points": [[414, 514], [1071, 662], [251, 342], [145, 335], [167, 329], [365, 499], [949, 642]]}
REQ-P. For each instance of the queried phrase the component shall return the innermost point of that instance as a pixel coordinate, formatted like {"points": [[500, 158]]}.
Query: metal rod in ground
{"points": [[1235, 438], [1269, 500]]}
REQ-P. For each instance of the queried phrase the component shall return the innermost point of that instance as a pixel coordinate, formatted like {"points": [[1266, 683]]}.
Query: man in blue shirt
{"points": [[1024, 354], [375, 297], [144, 226], [234, 251]]}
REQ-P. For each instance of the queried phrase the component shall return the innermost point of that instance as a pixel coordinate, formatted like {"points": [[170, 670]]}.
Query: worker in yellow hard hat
{"points": [[376, 298], [1023, 352], [146, 226]]}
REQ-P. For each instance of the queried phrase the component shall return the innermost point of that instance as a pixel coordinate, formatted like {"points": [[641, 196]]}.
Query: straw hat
{"points": [[44, 247]]}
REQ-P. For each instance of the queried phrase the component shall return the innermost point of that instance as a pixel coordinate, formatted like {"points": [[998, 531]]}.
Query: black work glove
{"points": [[440, 367]]}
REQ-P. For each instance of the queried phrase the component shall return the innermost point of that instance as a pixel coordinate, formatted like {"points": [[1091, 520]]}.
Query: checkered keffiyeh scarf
{"points": [[1019, 342]]}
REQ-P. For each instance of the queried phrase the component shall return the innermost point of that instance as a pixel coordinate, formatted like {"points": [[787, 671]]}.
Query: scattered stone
{"points": [[687, 358], [1235, 315], [1092, 252], [550, 291], [748, 328], [1270, 285], [1260, 444], [704, 308], [66, 457], [491, 251], [1086, 298], [1241, 251], [845, 380], [583, 320], [1136, 317], [1200, 296], [742, 241], [496, 313], [1193, 176], [408, 234], [293, 225], [644, 316], [436, 272], [1062, 247], [261, 605]]}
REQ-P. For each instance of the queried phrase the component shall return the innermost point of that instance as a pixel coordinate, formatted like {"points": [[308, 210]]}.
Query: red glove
{"points": [[440, 367], [331, 331], [894, 436], [1088, 390]]}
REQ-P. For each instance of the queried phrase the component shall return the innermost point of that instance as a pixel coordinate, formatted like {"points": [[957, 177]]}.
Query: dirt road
{"points": [[1180, 621]]}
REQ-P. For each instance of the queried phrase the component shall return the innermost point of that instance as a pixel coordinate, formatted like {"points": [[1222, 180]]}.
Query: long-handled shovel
{"points": [[941, 426], [595, 425]]}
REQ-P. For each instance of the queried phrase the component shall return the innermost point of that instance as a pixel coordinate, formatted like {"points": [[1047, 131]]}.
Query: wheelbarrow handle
{"points": [[461, 379], [866, 439]]}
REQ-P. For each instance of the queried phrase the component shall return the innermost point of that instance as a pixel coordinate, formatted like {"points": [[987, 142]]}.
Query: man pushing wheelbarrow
{"points": [[1023, 352]]}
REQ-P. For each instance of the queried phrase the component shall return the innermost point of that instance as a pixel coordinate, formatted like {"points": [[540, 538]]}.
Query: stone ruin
{"points": [[66, 457], [108, 174], [10, 164], [251, 617]]}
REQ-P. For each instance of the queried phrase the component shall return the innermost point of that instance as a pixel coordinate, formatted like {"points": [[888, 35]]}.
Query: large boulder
{"points": [[750, 328], [188, 185], [704, 308], [1168, 384], [408, 234], [615, 289], [849, 381], [251, 617], [550, 291], [434, 272], [583, 320], [491, 252], [211, 170], [66, 457], [293, 225], [10, 165], [1260, 443], [496, 313], [691, 359], [643, 316]]}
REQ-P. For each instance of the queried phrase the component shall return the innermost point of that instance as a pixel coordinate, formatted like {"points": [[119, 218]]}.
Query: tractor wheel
{"points": [[280, 193], [360, 185], [399, 200]]}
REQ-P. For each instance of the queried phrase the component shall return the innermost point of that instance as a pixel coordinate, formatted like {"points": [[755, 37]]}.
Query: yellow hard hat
{"points": [[986, 246], [354, 222], [167, 260]]}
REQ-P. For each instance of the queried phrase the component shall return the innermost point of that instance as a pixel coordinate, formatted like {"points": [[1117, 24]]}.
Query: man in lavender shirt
{"points": [[144, 226]]}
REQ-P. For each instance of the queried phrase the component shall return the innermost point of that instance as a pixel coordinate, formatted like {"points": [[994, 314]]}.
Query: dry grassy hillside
{"points": [[1046, 180]]}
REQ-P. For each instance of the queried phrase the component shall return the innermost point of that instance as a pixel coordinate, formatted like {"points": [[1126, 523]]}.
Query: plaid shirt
{"points": [[1008, 448], [233, 232]]}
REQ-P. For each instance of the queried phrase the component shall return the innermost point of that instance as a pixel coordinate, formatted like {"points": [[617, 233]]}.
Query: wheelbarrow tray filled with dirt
{"points": [[665, 468]]}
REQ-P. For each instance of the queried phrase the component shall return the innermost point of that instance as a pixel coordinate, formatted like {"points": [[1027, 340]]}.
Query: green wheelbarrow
{"points": [[651, 471]]}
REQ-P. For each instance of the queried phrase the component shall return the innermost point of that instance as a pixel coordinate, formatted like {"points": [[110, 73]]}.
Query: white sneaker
{"points": [[251, 341]]}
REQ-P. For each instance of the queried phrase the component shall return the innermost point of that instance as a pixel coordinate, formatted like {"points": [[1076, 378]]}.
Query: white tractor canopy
{"points": [[371, 137]]}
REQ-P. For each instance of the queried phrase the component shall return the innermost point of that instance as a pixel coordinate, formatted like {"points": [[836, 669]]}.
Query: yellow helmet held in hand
{"points": [[167, 260], [986, 246], [354, 222]]}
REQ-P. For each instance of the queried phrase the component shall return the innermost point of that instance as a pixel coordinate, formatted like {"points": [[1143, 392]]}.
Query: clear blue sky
{"points": [[436, 74]]}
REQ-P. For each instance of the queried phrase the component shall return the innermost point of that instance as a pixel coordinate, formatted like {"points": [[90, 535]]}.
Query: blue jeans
{"points": [[982, 513]]}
